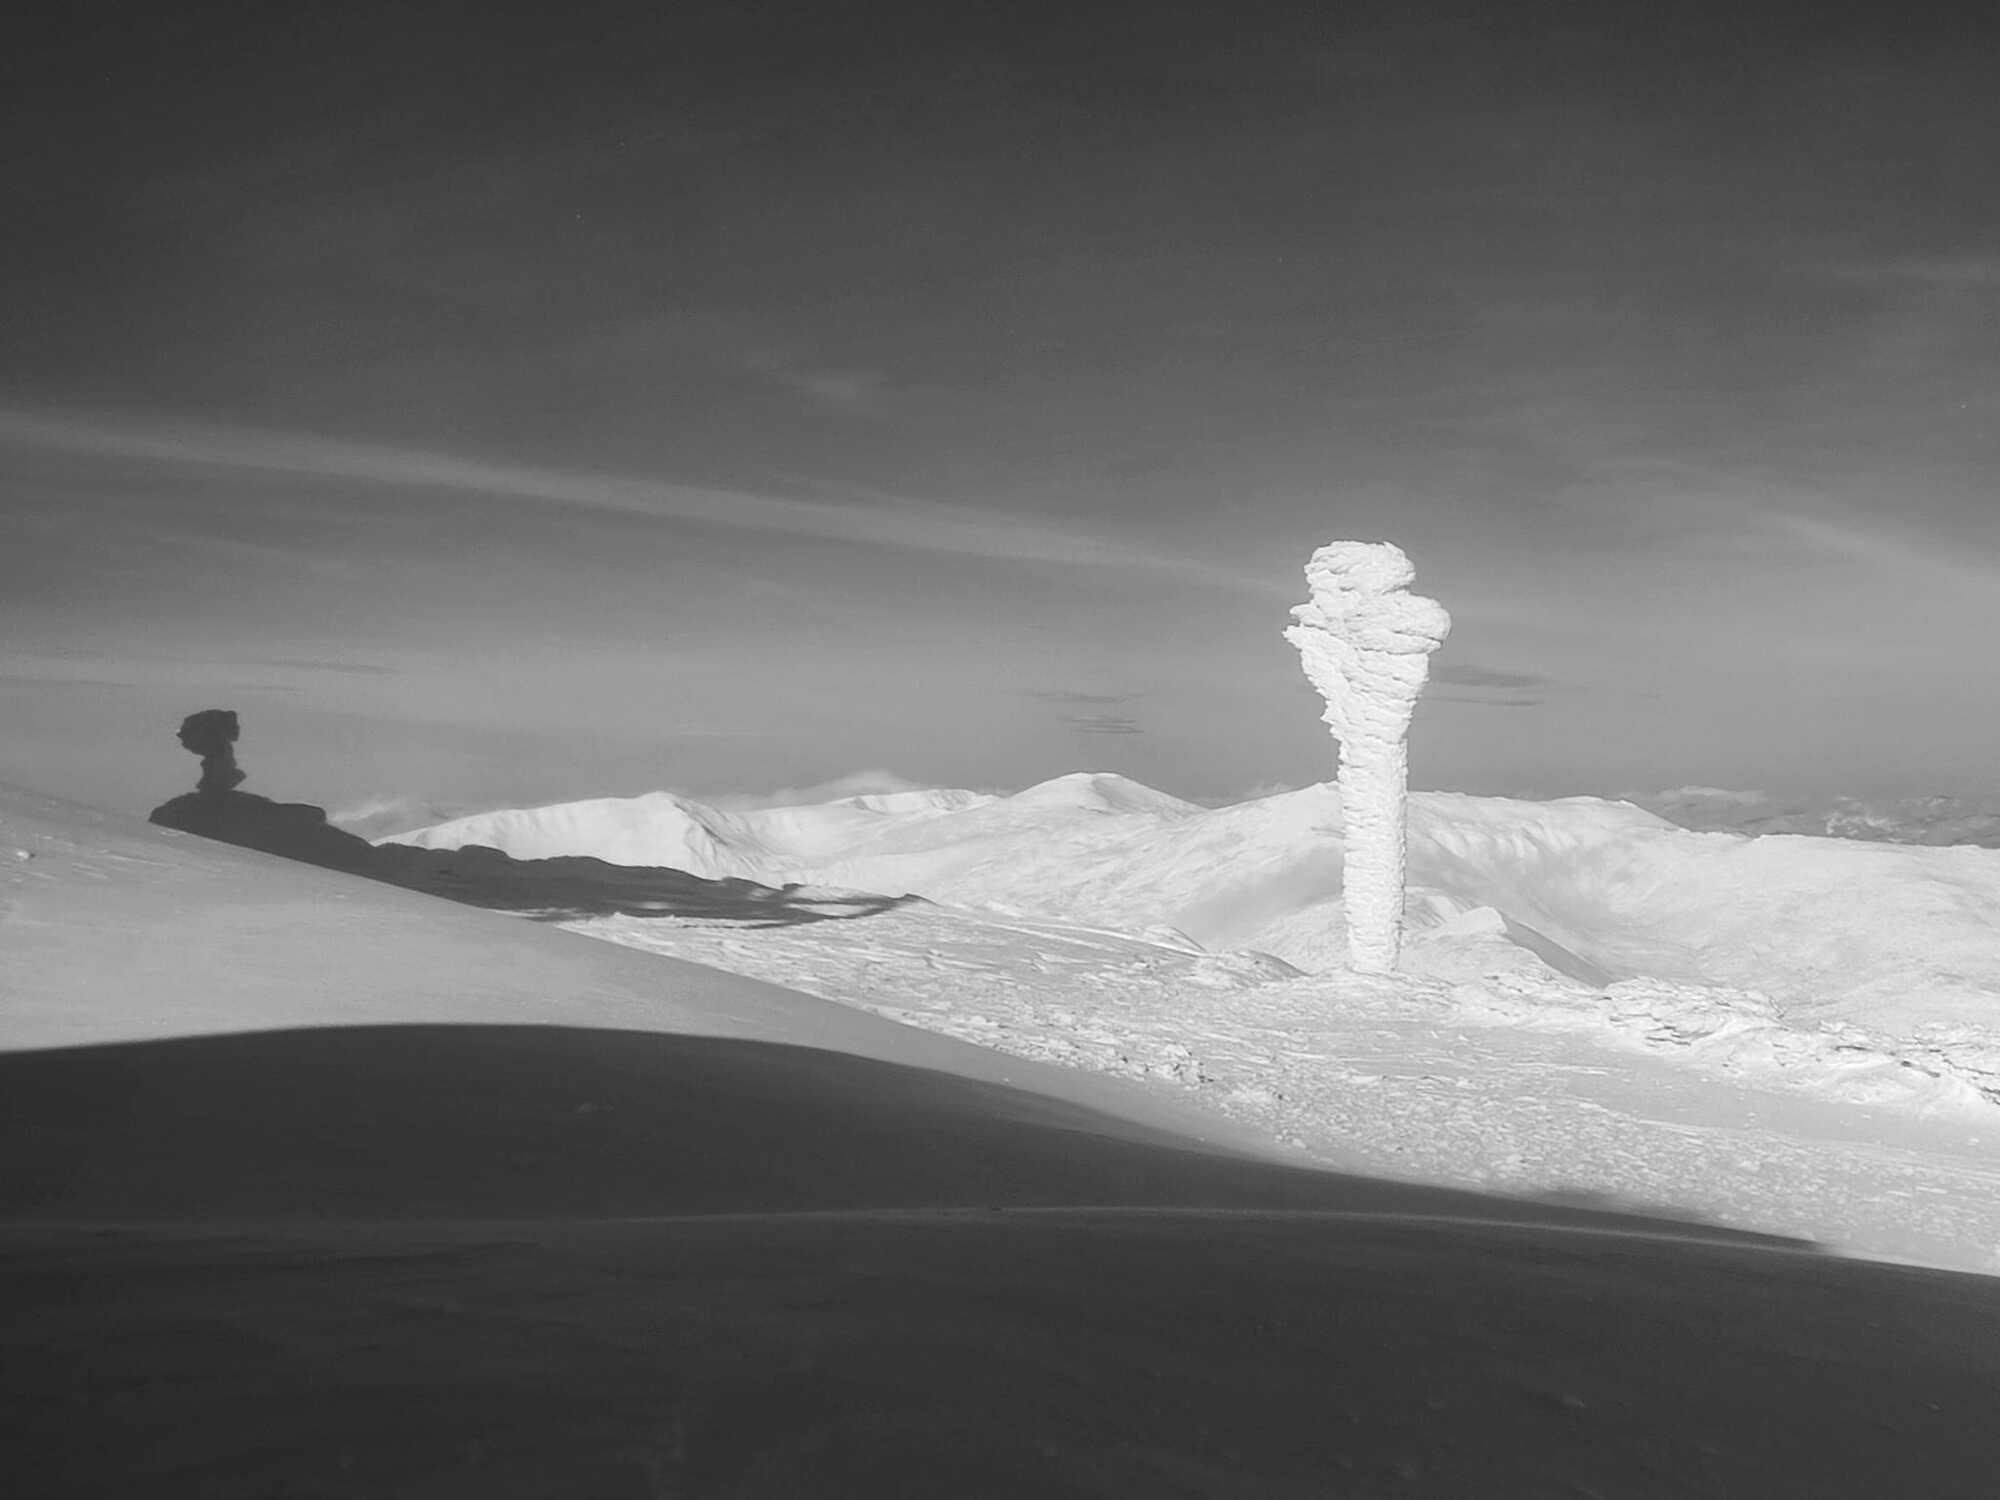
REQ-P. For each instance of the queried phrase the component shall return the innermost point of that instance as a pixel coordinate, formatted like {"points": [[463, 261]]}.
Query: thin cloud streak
{"points": [[911, 525], [1871, 545], [1471, 675], [1103, 724]]}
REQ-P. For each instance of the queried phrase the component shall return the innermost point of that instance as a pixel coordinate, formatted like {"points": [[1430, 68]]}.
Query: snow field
{"points": [[1790, 1034], [1400, 1076]]}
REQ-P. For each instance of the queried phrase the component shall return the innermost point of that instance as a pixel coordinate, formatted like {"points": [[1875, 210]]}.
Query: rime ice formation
{"points": [[1367, 641]]}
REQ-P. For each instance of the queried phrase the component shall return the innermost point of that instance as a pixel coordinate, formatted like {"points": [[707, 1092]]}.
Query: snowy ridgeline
{"points": [[1891, 820], [1788, 953]]}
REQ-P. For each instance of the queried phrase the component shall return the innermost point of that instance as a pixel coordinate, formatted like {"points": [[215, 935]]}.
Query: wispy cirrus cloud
{"points": [[1469, 675], [1887, 547], [313, 664], [1967, 271], [1103, 724], [1489, 687], [1073, 699], [1091, 713], [856, 392], [1482, 700], [882, 521], [134, 665]]}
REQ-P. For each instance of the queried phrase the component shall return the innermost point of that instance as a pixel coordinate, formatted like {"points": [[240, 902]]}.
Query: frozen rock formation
{"points": [[1367, 642]]}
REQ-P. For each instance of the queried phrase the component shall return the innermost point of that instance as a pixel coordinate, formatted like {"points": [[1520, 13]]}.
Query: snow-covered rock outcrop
{"points": [[1366, 642]]}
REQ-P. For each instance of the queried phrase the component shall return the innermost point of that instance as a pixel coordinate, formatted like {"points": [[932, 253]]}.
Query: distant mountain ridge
{"points": [[1936, 821], [1584, 887], [666, 829]]}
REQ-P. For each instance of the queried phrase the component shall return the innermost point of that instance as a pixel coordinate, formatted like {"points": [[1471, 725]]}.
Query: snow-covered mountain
{"points": [[1900, 820], [1594, 890], [663, 829]]}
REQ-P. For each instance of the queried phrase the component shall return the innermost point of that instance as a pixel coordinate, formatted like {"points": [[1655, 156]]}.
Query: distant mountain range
{"points": [[1580, 887], [1905, 820], [666, 829], [681, 821]]}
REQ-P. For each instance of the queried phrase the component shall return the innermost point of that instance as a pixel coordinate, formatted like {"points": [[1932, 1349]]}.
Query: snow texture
{"points": [[1366, 642], [1793, 1035], [1900, 939]]}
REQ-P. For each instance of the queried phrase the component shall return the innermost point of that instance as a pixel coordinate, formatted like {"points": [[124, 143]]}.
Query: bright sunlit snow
{"points": [[1367, 641], [1785, 1033]]}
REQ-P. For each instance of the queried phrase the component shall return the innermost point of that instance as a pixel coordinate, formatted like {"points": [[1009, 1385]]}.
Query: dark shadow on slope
{"points": [[552, 890], [548, 889], [571, 886], [531, 1122], [293, 830]]}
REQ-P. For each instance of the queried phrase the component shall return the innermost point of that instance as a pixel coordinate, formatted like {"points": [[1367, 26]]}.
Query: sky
{"points": [[498, 409]]}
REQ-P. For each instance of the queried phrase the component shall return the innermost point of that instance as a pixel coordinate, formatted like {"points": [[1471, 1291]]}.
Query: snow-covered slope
{"points": [[115, 931], [1899, 936], [663, 829], [1514, 1075]]}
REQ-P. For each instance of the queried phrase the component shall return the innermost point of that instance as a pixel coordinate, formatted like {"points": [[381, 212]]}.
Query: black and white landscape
{"points": [[320, 1185], [999, 750]]}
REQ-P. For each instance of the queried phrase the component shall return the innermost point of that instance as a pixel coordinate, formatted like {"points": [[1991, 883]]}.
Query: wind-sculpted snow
{"points": [[1745, 1034], [1705, 1098], [1366, 642]]}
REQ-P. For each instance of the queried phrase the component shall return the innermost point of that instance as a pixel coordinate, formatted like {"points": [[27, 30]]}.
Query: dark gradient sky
{"points": [[731, 396]]}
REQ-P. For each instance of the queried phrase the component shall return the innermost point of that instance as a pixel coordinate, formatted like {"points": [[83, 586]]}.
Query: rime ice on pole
{"points": [[1367, 642]]}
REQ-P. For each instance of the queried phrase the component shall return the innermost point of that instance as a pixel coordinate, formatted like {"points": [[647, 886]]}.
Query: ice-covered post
{"points": [[1367, 643]]}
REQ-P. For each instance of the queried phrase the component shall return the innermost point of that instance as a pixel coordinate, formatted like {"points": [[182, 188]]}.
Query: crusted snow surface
{"points": [[1813, 988], [1898, 939], [1505, 1062], [1512, 1085]]}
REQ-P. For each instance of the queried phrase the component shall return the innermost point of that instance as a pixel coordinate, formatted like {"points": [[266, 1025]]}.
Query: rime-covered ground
{"points": [[1410, 1078], [317, 1185], [1792, 1034]]}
